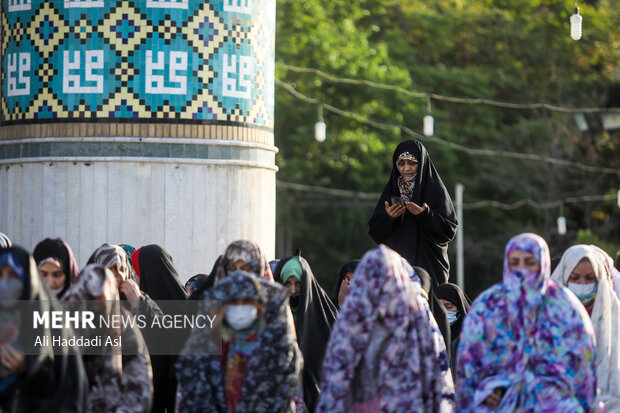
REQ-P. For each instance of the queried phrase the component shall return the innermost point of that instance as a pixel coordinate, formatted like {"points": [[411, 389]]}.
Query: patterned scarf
{"points": [[271, 371], [250, 253], [237, 348], [116, 382], [9, 323], [108, 255], [413, 372], [530, 336], [406, 188]]}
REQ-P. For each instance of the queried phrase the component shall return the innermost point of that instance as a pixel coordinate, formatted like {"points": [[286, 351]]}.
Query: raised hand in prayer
{"points": [[132, 292], [12, 359], [394, 211], [344, 290], [415, 209]]}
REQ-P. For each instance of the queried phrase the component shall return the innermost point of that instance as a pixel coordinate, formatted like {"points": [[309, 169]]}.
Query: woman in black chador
{"points": [[414, 215], [314, 314]]}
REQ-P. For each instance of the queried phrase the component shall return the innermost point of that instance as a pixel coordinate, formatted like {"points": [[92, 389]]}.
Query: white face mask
{"points": [[583, 291], [10, 291], [451, 316], [240, 317]]}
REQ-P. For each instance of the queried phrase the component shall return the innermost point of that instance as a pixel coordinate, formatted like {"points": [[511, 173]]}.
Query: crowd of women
{"points": [[536, 341], [393, 337]]}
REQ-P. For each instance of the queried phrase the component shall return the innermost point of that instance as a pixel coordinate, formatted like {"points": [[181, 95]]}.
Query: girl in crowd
{"points": [[114, 258], [50, 381], [244, 255], [239, 255], [259, 367], [526, 344], [344, 282], [117, 382], [583, 271], [195, 282], [314, 313], [422, 277], [56, 264], [414, 215], [385, 353], [160, 281], [457, 305]]}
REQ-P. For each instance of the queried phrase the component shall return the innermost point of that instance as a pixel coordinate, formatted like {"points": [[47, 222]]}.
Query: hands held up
{"points": [[396, 210]]}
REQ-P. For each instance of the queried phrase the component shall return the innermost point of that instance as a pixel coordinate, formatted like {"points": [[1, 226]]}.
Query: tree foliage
{"points": [[493, 49]]}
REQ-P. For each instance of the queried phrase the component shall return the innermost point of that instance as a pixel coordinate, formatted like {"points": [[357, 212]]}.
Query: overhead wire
{"points": [[370, 196], [445, 98], [456, 146]]}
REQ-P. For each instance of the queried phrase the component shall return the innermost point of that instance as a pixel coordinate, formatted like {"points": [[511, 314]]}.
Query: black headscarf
{"points": [[59, 250], [51, 382], [208, 282], [196, 282], [433, 302], [348, 267], [422, 240], [160, 280], [158, 276], [315, 316], [454, 294]]}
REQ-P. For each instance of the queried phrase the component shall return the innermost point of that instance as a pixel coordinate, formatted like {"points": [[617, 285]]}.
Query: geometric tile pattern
{"points": [[190, 61]]}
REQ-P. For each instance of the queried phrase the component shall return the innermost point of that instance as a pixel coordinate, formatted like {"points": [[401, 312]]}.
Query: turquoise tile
{"points": [[150, 150], [33, 150], [133, 149], [189, 151], [215, 152], [202, 151], [176, 150], [44, 149], [224, 152], [235, 153], [55, 149]]}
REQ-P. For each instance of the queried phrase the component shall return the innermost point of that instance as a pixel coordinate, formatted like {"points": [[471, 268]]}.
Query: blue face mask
{"points": [[452, 316]]}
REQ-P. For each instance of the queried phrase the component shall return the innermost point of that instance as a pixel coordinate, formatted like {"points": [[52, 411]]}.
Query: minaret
{"points": [[145, 121]]}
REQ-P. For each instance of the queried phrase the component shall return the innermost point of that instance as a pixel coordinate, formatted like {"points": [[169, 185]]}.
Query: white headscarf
{"points": [[605, 318], [613, 273]]}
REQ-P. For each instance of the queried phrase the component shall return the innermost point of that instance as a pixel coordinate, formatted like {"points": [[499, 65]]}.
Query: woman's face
{"points": [[293, 286], [7, 272], [120, 271], [583, 273], [53, 274], [240, 265], [448, 305], [407, 168], [348, 276], [522, 260], [242, 301]]}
